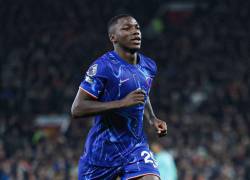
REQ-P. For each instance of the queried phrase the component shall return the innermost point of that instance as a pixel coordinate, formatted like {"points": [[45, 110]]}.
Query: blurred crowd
{"points": [[202, 89]]}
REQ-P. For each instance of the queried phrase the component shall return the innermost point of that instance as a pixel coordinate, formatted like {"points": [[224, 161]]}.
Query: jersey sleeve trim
{"points": [[88, 93], [144, 174]]}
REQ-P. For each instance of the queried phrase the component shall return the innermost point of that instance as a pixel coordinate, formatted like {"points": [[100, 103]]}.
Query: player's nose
{"points": [[136, 33]]}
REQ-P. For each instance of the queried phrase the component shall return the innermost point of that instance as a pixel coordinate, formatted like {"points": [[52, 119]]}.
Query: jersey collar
{"points": [[124, 61]]}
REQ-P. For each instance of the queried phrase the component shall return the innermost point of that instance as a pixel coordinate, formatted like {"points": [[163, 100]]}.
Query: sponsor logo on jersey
{"points": [[123, 81]]}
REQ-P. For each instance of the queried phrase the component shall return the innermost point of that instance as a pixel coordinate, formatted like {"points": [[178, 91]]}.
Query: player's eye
{"points": [[125, 28]]}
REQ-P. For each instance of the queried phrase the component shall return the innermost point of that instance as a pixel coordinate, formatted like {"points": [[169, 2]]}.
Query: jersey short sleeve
{"points": [[152, 67], [94, 79]]}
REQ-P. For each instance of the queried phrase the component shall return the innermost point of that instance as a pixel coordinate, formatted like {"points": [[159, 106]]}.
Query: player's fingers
{"points": [[162, 134], [164, 125], [140, 100], [160, 127], [141, 96], [161, 131], [139, 91], [164, 131], [143, 92]]}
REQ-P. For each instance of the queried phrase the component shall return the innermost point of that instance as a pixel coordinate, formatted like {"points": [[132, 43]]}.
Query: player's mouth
{"points": [[136, 40]]}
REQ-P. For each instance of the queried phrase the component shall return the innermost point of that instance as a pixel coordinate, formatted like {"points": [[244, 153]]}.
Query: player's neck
{"points": [[130, 57]]}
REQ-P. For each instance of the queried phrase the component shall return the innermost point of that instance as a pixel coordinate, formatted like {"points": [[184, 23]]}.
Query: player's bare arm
{"points": [[84, 105], [160, 125]]}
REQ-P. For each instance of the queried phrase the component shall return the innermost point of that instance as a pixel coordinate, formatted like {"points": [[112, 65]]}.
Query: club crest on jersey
{"points": [[149, 81], [92, 70]]}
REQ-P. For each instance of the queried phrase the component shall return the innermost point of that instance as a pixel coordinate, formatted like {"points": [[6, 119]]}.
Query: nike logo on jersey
{"points": [[123, 81]]}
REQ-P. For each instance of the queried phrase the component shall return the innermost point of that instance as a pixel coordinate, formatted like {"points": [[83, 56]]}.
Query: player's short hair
{"points": [[115, 19]]}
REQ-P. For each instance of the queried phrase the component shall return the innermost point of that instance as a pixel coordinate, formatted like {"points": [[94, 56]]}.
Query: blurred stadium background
{"points": [[202, 48]]}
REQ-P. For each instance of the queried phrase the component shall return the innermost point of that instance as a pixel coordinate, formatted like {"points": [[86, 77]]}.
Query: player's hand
{"points": [[160, 126], [133, 98]]}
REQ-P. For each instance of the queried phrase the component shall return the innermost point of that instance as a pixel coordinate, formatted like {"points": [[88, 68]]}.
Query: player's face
{"points": [[127, 34]]}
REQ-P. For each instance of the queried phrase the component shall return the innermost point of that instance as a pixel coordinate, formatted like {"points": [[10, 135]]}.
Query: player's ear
{"points": [[112, 38]]}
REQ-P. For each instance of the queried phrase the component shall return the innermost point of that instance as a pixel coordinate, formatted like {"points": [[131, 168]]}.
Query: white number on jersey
{"points": [[149, 158]]}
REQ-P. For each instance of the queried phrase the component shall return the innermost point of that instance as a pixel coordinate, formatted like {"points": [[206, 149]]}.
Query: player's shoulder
{"points": [[148, 63], [105, 59], [102, 61], [146, 58], [99, 66]]}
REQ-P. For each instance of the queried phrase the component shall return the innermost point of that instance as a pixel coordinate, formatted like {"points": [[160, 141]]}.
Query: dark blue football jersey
{"points": [[115, 134]]}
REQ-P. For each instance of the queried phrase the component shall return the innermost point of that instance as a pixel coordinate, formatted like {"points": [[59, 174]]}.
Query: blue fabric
{"points": [[115, 135], [142, 163], [3, 175]]}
